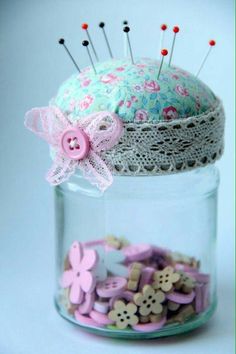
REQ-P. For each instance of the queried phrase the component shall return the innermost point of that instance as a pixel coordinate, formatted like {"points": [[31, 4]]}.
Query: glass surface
{"points": [[176, 213]]}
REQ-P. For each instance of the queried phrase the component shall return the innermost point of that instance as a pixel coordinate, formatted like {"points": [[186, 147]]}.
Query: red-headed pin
{"points": [[126, 29], [62, 42], [164, 53], [102, 26], [86, 44], [84, 26], [175, 30], [212, 43], [163, 29]]}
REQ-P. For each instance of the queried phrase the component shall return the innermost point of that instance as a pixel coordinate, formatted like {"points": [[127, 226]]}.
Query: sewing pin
{"points": [[62, 42]]}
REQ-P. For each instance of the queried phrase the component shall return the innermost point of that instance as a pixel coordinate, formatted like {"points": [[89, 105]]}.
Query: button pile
{"points": [[110, 283]]}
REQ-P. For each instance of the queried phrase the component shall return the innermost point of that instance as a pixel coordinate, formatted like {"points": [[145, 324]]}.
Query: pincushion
{"points": [[129, 120], [133, 92]]}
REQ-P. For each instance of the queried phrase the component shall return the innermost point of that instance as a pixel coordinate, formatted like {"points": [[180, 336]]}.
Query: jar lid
{"points": [[136, 124]]}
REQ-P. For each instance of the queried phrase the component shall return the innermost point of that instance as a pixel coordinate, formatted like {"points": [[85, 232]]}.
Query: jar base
{"points": [[167, 330]]}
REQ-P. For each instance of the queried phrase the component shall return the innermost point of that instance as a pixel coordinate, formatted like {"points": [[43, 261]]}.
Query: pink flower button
{"points": [[75, 143]]}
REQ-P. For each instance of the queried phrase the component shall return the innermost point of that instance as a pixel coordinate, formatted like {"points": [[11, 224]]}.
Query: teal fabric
{"points": [[134, 93]]}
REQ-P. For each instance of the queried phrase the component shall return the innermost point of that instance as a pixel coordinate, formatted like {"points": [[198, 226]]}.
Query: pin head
{"points": [[164, 52], [163, 27], [61, 41], [84, 26], [175, 29], [126, 29], [101, 25], [85, 43], [212, 42]]}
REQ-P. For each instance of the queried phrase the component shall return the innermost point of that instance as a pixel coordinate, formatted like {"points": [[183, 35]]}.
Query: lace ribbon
{"points": [[103, 130]]}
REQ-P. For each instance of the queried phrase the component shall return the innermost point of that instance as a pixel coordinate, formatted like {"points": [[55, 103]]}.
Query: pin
{"points": [[212, 43], [86, 44], [125, 23], [102, 25], [85, 27], [175, 30], [62, 42], [164, 53], [163, 29], [126, 29]]}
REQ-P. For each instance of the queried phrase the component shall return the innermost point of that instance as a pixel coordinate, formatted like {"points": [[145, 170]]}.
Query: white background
{"points": [[32, 67]]}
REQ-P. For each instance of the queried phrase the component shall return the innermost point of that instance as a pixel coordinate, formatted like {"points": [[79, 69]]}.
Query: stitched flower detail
{"points": [[141, 115], [170, 113], [110, 262], [151, 86], [185, 283], [123, 315], [149, 301], [80, 278], [86, 102], [181, 90], [164, 279]]}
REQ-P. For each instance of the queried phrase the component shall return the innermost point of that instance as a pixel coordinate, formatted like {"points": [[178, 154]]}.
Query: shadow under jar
{"points": [[139, 260]]}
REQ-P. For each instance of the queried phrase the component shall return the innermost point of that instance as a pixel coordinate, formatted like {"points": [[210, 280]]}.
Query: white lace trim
{"points": [[180, 145]]}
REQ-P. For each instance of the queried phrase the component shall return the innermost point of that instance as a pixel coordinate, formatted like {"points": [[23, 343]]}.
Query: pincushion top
{"points": [[134, 93]]}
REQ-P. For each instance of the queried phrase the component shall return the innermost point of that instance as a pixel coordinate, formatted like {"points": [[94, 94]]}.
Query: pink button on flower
{"points": [[75, 143], [80, 278]]}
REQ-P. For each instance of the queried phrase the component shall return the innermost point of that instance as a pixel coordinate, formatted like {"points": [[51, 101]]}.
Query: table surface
{"points": [[32, 67]]}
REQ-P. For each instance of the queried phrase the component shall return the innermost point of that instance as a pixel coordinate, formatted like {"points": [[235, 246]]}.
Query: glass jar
{"points": [[170, 224]]}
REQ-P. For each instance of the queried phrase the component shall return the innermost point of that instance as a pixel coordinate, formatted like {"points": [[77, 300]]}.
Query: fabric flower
{"points": [[120, 68], [149, 301], [109, 79], [141, 115], [110, 262], [164, 279], [181, 90], [174, 76], [80, 278], [170, 113], [85, 82], [86, 102], [138, 88], [123, 315], [151, 86], [77, 144]]}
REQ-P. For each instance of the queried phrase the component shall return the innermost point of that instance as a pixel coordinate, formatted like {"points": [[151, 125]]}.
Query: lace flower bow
{"points": [[77, 145]]}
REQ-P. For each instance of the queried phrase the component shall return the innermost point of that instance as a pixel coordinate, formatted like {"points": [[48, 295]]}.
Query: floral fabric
{"points": [[134, 93]]}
